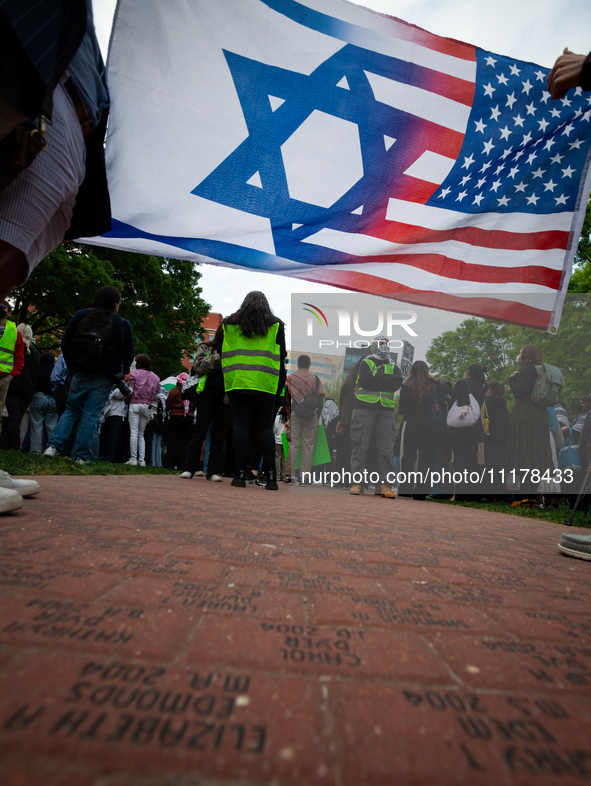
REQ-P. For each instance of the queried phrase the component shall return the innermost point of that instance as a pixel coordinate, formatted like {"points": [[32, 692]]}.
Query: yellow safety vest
{"points": [[251, 363], [7, 345], [384, 397]]}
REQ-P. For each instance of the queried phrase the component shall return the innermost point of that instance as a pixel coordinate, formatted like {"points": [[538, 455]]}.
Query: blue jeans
{"points": [[88, 395], [42, 410]]}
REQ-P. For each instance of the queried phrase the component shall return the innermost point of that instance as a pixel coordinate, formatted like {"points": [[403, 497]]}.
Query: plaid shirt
{"points": [[302, 382]]}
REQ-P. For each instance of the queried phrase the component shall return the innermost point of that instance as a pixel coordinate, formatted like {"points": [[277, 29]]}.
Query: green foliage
{"points": [[333, 388], [160, 297], [581, 277], [496, 346], [475, 341]]}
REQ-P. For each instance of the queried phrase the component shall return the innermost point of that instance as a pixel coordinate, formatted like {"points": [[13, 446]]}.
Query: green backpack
{"points": [[548, 386]]}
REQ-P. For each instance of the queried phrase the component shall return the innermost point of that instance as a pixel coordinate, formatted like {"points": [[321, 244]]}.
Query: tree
{"points": [[160, 297], [581, 277], [474, 341]]}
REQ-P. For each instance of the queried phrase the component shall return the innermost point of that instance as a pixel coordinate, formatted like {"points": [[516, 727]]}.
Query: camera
{"points": [[119, 380]]}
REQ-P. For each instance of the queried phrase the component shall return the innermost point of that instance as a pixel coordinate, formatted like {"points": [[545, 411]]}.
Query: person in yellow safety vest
{"points": [[12, 356], [253, 355], [374, 415], [12, 361]]}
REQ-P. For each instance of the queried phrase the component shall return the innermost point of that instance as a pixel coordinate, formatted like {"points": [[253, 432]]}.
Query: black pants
{"points": [[108, 437], [252, 417], [425, 445], [211, 408], [466, 458], [16, 404], [177, 442]]}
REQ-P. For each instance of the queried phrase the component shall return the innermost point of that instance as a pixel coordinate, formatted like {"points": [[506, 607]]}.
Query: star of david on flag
{"points": [[326, 142]]}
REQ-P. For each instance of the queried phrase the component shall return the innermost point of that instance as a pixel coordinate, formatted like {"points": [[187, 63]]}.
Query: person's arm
{"points": [[379, 382], [461, 394], [522, 383], [19, 356], [403, 402], [569, 70], [128, 353], [282, 356]]}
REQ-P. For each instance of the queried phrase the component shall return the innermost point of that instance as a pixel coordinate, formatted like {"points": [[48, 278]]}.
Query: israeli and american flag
{"points": [[324, 141]]}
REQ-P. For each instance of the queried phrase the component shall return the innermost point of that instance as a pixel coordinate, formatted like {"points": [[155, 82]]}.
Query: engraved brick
{"points": [[345, 650], [507, 663], [204, 598], [142, 719], [388, 735]]}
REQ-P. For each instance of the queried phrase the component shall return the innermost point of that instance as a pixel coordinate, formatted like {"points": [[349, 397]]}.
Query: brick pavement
{"points": [[157, 631]]}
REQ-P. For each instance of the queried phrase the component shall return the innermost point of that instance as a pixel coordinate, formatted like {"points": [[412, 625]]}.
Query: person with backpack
{"points": [[305, 396], [98, 351], [422, 402], [528, 446], [374, 414]]}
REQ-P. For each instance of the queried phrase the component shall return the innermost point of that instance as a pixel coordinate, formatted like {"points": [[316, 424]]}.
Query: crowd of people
{"points": [[238, 414]]}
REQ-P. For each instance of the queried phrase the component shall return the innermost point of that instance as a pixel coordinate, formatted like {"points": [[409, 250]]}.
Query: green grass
{"points": [[555, 515], [17, 463]]}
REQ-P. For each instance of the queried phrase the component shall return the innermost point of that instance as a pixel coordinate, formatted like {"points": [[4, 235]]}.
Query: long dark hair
{"points": [[419, 382], [254, 315], [215, 343], [354, 370]]}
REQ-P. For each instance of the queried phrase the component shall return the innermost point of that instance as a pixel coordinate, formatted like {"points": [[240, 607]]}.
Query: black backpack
{"points": [[307, 408], [93, 341]]}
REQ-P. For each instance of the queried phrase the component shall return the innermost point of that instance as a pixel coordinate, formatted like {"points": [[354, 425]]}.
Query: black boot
{"points": [[240, 477], [271, 475]]}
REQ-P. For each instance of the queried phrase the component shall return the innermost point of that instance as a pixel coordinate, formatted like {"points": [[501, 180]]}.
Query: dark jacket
{"points": [[123, 350], [525, 410], [44, 382], [415, 412], [498, 417], [346, 401], [462, 390], [378, 382], [27, 380]]}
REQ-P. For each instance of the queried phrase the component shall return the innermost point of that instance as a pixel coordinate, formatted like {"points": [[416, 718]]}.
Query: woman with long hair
{"points": [[252, 358], [212, 409], [528, 447], [417, 435]]}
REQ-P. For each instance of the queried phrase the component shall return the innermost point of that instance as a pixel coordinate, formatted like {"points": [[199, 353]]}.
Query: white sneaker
{"points": [[141, 463], [200, 473], [132, 462], [24, 488], [186, 475], [50, 452], [215, 478], [10, 500], [81, 462]]}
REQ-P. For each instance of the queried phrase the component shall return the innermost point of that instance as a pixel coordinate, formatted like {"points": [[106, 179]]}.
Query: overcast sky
{"points": [[534, 30]]}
